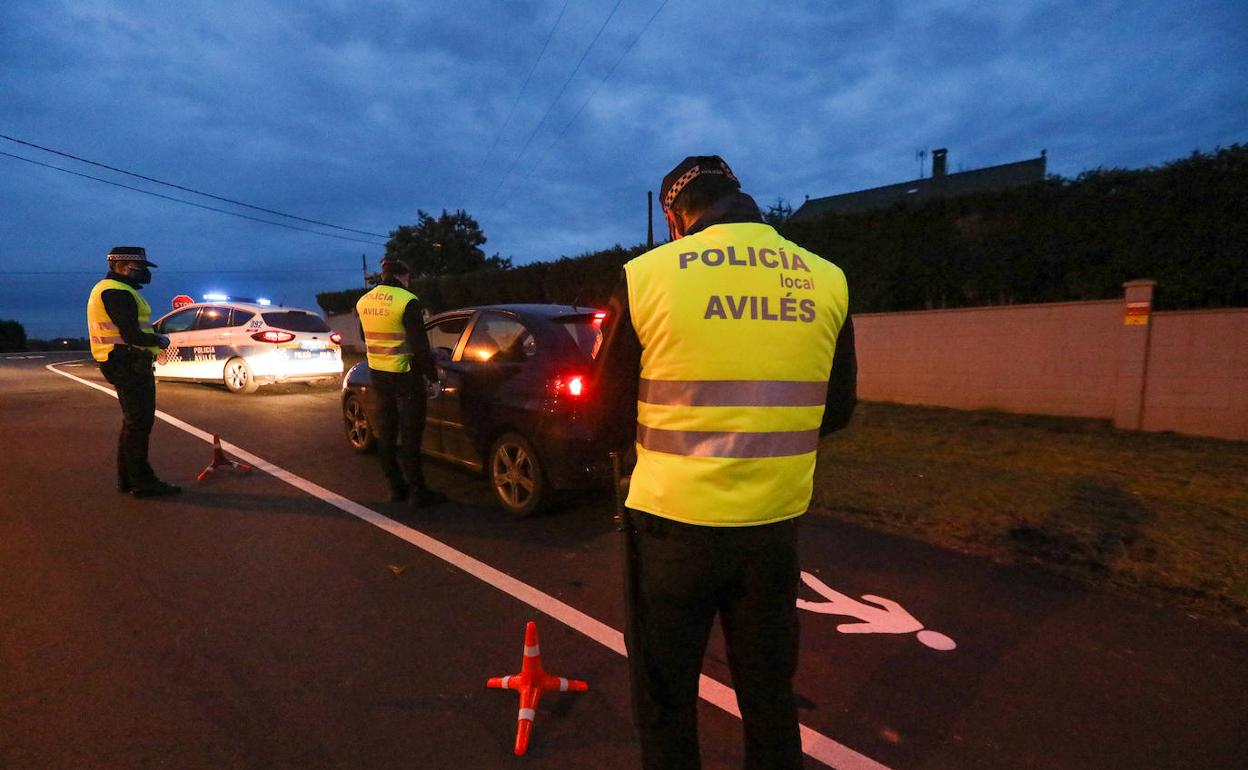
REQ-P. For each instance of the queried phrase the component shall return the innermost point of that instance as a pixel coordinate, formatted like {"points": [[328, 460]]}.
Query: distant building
{"points": [[939, 184]]}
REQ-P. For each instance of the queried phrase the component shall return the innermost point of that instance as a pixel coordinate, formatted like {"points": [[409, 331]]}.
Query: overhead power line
{"points": [[523, 86], [542, 122], [185, 189], [213, 271], [192, 203], [597, 88]]}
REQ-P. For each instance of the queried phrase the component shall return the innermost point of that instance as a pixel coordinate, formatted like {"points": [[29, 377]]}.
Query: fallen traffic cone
{"points": [[532, 681], [219, 460]]}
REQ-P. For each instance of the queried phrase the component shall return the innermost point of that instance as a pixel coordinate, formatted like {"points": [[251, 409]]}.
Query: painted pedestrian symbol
{"points": [[876, 614]]}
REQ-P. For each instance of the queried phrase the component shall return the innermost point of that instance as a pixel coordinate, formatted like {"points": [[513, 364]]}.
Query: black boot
{"points": [[154, 488]]}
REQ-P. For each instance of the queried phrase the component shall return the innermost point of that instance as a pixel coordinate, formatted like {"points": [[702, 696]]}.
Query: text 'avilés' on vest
{"points": [[754, 308]]}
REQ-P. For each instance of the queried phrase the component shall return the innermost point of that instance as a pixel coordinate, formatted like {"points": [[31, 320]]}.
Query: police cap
{"points": [[690, 169], [129, 254]]}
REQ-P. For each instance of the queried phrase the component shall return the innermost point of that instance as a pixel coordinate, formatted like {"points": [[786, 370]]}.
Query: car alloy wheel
{"points": [[238, 377], [516, 475], [359, 434]]}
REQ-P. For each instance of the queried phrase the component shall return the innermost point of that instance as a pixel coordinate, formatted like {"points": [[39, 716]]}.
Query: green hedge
{"points": [[1184, 224], [585, 280]]}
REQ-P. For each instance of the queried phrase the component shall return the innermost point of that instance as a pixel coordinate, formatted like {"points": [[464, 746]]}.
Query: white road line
{"points": [[814, 744]]}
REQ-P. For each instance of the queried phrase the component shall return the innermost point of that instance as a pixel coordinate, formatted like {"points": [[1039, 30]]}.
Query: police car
{"points": [[245, 343]]}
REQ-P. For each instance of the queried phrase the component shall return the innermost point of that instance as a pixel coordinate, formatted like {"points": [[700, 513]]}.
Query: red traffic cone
{"points": [[532, 681], [219, 460]]}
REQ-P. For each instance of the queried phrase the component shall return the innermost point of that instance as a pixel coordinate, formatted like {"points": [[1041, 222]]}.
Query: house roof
{"points": [[977, 180]]}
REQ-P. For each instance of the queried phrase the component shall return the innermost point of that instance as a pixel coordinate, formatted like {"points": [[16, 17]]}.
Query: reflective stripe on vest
{"points": [[103, 331], [732, 392], [709, 443], [385, 339], [738, 330]]}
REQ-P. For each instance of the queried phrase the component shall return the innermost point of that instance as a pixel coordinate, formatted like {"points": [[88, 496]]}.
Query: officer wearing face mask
{"points": [[125, 346]]}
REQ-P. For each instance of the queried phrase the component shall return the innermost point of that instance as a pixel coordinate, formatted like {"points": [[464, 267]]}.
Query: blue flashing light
{"points": [[216, 297], [263, 301]]}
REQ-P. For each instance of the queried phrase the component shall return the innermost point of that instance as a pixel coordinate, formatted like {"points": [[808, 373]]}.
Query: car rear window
{"points": [[296, 321], [584, 330]]}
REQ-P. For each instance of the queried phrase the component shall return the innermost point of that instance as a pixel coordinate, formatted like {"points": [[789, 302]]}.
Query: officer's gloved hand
{"points": [[162, 340]]}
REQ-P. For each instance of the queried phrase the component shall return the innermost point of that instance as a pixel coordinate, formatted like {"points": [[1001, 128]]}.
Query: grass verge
{"points": [[1159, 514]]}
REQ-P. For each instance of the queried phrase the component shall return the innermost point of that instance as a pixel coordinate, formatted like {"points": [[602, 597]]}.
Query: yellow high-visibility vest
{"points": [[104, 333], [385, 339], [738, 328]]}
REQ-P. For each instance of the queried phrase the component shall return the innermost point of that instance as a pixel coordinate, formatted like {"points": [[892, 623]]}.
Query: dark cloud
{"points": [[362, 113]]}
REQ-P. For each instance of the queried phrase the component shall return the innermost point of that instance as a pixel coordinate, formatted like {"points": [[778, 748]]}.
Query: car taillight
{"points": [[272, 335], [570, 385], [598, 319], [335, 338]]}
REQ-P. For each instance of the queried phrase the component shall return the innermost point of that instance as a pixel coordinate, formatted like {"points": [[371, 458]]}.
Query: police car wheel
{"points": [[238, 377], [516, 475], [354, 419]]}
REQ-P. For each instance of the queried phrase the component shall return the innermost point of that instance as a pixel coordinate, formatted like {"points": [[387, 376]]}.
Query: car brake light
{"points": [[598, 319], [335, 338], [272, 335], [572, 385]]}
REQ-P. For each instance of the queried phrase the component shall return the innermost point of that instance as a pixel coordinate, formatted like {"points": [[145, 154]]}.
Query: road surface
{"points": [[290, 617]]}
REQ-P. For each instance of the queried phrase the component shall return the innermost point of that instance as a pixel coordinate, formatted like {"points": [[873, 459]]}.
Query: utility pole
{"points": [[364, 265], [921, 155], [649, 219]]}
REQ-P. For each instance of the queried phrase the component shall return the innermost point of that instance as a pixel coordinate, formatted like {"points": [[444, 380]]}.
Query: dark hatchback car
{"points": [[514, 399]]}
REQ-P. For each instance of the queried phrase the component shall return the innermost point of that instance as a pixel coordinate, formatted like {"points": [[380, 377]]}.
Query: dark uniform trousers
{"points": [[130, 372], [400, 404], [679, 577]]}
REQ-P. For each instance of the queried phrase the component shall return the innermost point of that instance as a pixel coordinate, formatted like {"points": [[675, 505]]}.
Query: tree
{"points": [[12, 337], [448, 245], [778, 213]]}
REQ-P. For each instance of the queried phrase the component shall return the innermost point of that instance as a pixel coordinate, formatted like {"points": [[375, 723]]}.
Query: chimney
{"points": [[938, 162]]}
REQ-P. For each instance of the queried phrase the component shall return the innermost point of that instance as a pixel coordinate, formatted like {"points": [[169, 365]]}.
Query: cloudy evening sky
{"points": [[360, 113]]}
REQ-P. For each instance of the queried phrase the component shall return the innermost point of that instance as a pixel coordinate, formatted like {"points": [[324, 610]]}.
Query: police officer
{"points": [[399, 362], [124, 344], [728, 353]]}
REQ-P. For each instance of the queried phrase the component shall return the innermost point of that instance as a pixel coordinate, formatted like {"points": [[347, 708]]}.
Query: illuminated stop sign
{"points": [[182, 300]]}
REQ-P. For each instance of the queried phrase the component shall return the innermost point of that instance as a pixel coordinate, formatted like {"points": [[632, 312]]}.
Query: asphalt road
{"points": [[289, 617]]}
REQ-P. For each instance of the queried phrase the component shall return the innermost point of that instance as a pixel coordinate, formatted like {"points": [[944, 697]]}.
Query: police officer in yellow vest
{"points": [[124, 344], [728, 353], [399, 362]]}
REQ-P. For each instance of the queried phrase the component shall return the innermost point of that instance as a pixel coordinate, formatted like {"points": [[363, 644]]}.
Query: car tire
{"points": [[238, 377], [355, 420], [516, 476]]}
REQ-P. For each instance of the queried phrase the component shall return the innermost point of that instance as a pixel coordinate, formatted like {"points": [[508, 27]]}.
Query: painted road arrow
{"points": [[879, 616]]}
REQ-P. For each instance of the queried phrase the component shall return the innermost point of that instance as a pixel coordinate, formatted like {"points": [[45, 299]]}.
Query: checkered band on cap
{"points": [[127, 254], [692, 174]]}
